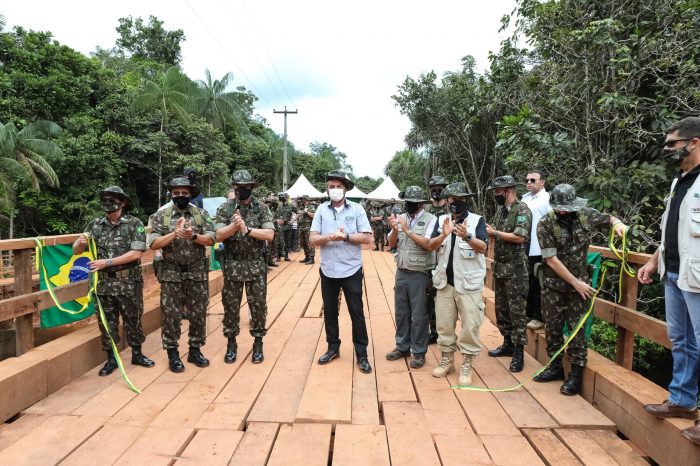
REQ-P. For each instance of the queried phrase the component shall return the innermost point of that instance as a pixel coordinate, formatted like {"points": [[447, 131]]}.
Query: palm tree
{"points": [[219, 106], [23, 157], [168, 95], [2, 22]]}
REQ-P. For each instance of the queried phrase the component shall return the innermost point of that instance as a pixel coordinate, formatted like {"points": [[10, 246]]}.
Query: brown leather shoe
{"points": [[692, 433], [668, 409]]}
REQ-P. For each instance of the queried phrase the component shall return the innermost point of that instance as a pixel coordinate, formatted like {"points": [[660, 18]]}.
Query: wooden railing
{"points": [[624, 316], [26, 302]]}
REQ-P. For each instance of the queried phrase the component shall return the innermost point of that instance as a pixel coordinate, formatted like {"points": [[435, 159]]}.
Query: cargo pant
{"points": [[231, 296], [559, 308], [130, 307], [309, 251], [511, 309], [174, 298]]}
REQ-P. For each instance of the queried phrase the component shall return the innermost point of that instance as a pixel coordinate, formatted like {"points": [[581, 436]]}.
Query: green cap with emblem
{"points": [[437, 180], [341, 176], [505, 181], [119, 193], [413, 194], [243, 177], [183, 182], [563, 197], [458, 189]]}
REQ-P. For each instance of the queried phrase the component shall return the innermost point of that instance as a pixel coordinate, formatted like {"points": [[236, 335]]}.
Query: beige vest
{"points": [[469, 266], [409, 255], [688, 238]]}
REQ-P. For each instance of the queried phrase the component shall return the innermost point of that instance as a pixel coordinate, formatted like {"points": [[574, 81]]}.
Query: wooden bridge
{"points": [[289, 410]]}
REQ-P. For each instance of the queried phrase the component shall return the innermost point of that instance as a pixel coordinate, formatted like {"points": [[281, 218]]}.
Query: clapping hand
{"points": [[403, 224], [448, 226], [239, 223], [461, 230], [490, 230], [338, 235], [393, 222]]}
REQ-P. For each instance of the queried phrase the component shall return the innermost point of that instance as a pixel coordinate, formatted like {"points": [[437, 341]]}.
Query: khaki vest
{"points": [[688, 238], [409, 255], [469, 266]]}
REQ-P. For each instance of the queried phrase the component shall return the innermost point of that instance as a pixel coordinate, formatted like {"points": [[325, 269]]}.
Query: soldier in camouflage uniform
{"points": [[564, 235], [512, 231], [306, 216], [376, 220], [244, 225], [184, 232], [275, 248], [284, 221], [120, 239]]}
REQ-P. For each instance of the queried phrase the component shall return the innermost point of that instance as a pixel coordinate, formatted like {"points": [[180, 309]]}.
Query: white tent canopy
{"points": [[385, 191], [355, 193], [302, 187]]}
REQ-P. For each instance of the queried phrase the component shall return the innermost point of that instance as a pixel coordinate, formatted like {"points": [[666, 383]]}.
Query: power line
{"points": [[285, 175]]}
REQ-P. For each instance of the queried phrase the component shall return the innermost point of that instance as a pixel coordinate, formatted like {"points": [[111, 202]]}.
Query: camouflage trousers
{"points": [[378, 231], [560, 308], [277, 246], [256, 292], [511, 309], [309, 251], [286, 236], [174, 298], [130, 307]]}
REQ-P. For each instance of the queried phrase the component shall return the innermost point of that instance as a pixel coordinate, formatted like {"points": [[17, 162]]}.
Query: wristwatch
{"points": [[469, 237], [194, 236], [109, 262], [247, 233], [347, 237]]}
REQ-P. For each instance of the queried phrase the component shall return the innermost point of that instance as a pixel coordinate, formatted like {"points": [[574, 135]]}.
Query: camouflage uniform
{"points": [[120, 287], [278, 241], [304, 223], [244, 265], [431, 291], [510, 272], [184, 275], [284, 212], [377, 225]]}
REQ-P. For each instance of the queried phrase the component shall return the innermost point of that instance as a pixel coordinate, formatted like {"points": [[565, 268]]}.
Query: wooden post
{"points": [[24, 328], [624, 353]]}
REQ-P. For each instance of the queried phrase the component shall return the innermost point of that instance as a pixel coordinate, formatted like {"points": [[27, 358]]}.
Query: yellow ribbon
{"points": [[622, 255]]}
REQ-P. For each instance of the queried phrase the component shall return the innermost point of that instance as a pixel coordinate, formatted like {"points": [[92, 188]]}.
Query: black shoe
{"points": [[174, 362], [376, 248], [287, 259], [363, 364], [304, 260], [257, 356], [328, 356], [231, 351], [272, 264], [572, 386], [109, 366], [396, 353], [432, 338], [506, 349], [518, 361], [553, 372], [196, 357], [309, 261], [418, 361], [138, 358]]}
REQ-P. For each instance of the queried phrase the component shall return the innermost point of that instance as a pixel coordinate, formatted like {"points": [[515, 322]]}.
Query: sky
{"points": [[336, 63]]}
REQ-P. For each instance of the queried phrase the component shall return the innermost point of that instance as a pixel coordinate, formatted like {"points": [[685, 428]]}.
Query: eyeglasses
{"points": [[672, 142], [531, 180]]}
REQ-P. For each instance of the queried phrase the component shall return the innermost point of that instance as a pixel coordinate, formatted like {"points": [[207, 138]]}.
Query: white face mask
{"points": [[336, 194]]}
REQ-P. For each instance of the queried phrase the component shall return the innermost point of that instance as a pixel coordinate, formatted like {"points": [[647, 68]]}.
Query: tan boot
{"points": [[465, 371], [447, 365]]}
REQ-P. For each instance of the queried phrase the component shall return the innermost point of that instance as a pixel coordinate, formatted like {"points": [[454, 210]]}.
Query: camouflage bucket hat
{"points": [[118, 192], [271, 199], [183, 182], [243, 177], [283, 195], [413, 194], [437, 180], [458, 189], [341, 176], [505, 181], [305, 197], [563, 197]]}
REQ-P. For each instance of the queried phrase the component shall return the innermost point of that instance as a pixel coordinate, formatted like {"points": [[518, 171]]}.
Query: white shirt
{"points": [[539, 206]]}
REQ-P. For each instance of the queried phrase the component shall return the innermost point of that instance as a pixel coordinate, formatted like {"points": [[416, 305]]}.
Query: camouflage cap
{"points": [[437, 180], [413, 194], [283, 195], [376, 204], [305, 197], [183, 182], [243, 177], [458, 189], [341, 176], [505, 181], [563, 197], [271, 199], [118, 192]]}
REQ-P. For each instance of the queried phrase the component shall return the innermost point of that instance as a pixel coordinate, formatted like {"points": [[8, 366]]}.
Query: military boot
{"points": [[272, 263], [553, 372], [196, 357], [447, 365], [309, 261], [304, 260], [506, 349], [139, 359], [174, 362], [257, 356], [516, 364], [231, 351], [465, 370], [110, 365], [572, 386]]}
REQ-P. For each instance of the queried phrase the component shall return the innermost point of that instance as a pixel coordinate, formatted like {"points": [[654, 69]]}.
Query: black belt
{"points": [[130, 272], [243, 256], [411, 271]]}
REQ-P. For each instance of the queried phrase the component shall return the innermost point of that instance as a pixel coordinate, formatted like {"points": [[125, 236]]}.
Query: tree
{"points": [[407, 168], [150, 41], [219, 106]]}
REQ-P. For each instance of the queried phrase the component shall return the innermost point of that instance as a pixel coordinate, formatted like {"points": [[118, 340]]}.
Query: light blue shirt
{"points": [[338, 258]]}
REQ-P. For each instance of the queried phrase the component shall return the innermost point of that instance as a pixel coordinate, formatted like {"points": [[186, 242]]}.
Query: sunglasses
{"points": [[531, 180], [672, 142]]}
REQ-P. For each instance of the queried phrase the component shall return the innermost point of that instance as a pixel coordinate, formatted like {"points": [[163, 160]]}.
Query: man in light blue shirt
{"points": [[340, 227]]}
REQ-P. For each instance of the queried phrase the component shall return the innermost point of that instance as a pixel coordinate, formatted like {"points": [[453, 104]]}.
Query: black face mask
{"points": [[193, 179], [110, 206], [436, 195], [181, 202], [676, 155], [243, 193], [412, 207], [458, 207], [500, 199]]}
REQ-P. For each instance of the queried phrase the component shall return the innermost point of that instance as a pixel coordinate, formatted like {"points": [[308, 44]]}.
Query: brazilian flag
{"points": [[62, 268]]}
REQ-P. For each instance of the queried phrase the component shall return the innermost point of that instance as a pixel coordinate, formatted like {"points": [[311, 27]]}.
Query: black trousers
{"points": [[352, 289], [534, 295]]}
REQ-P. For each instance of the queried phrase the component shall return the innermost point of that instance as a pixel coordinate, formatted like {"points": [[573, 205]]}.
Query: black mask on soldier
{"points": [[676, 155], [458, 207], [243, 193], [500, 199], [412, 207], [110, 205], [436, 194], [181, 202], [193, 179]]}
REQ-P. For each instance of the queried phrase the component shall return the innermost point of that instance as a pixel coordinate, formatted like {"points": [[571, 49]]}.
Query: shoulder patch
{"points": [[521, 219], [140, 229]]}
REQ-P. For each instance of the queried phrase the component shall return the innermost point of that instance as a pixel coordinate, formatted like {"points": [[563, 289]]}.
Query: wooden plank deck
{"points": [[289, 410]]}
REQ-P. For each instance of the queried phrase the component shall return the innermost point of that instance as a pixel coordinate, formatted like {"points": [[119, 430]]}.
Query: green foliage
{"points": [[407, 168], [150, 41]]}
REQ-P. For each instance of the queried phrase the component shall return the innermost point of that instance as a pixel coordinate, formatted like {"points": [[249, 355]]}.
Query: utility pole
{"points": [[285, 171]]}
